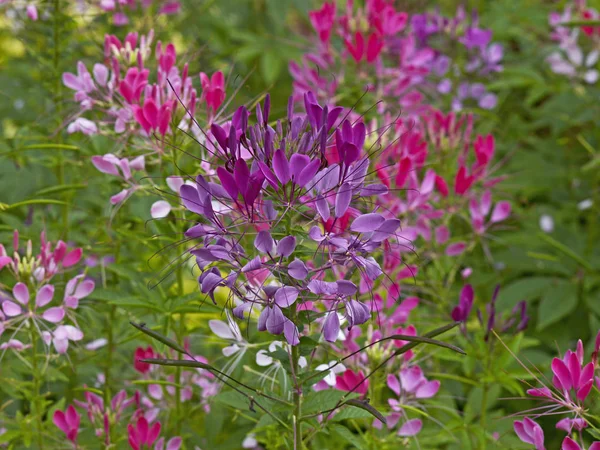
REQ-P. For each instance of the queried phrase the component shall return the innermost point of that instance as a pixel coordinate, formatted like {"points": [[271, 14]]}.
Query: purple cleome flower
{"points": [[286, 199]]}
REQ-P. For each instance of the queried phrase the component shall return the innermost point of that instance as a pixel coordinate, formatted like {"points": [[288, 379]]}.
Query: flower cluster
{"points": [[572, 382], [121, 8], [29, 304], [489, 319], [434, 172], [400, 60], [161, 396], [274, 201], [142, 432], [134, 94], [578, 47]]}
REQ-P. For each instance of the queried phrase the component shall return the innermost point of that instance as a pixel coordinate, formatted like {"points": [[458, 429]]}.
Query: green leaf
{"points": [[351, 413], [233, 399], [557, 303], [523, 289], [322, 400], [366, 407], [60, 188], [353, 439], [270, 66]]}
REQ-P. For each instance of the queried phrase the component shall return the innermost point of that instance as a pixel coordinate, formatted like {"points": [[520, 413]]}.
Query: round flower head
{"points": [[284, 229]]}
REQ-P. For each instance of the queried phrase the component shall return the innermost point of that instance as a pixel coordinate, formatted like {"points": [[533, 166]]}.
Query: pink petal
{"points": [[394, 384], [501, 212], [428, 390], [153, 433], [160, 209], [4, 260], [104, 166], [44, 295], [570, 444], [72, 257], [559, 368], [60, 421], [21, 293], [174, 443], [118, 198], [54, 315], [456, 249], [410, 428], [84, 289], [11, 309], [61, 345]]}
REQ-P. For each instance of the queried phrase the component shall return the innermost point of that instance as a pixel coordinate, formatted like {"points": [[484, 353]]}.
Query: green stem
{"points": [[58, 93], [297, 394], [37, 405], [107, 374]]}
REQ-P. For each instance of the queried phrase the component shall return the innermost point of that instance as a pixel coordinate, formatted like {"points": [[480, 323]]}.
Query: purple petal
{"points": [[275, 321], [297, 163], [322, 207], [262, 319], [264, 242], [269, 175], [331, 327], [286, 296], [367, 223], [286, 246], [281, 166], [297, 270], [191, 200], [316, 234], [322, 287], [308, 173], [290, 331], [374, 189], [254, 264], [342, 199], [345, 287], [228, 182]]}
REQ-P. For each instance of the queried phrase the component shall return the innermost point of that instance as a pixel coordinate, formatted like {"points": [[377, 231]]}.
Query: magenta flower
{"points": [[142, 434], [68, 422], [213, 90], [570, 444], [352, 381], [322, 20], [461, 312], [530, 432], [570, 375]]}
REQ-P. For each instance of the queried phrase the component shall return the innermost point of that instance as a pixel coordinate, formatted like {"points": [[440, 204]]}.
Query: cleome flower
{"points": [[287, 201]]}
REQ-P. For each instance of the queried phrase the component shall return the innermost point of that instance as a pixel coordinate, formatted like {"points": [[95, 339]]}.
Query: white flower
{"points": [[547, 223], [231, 332], [585, 204], [334, 369]]}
